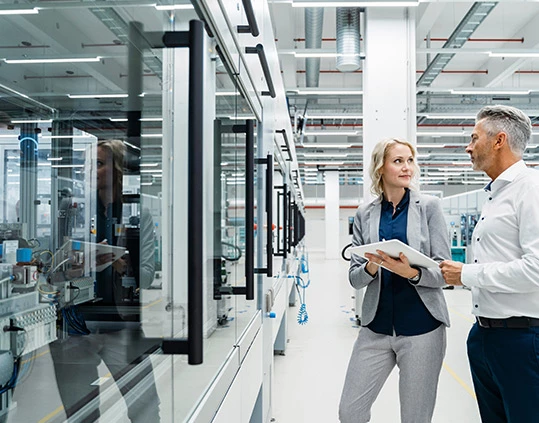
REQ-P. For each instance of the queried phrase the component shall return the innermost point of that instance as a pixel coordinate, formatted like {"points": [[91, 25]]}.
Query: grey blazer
{"points": [[426, 232]]}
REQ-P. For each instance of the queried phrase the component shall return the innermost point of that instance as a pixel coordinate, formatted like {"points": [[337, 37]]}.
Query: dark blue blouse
{"points": [[400, 308]]}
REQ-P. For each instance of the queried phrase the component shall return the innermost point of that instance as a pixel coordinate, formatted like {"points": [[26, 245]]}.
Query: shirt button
{"points": [[482, 218], [490, 198], [475, 261], [476, 306], [477, 239]]}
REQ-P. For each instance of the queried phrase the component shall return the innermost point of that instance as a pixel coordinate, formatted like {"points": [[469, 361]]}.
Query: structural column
{"points": [[332, 215], [389, 93]]}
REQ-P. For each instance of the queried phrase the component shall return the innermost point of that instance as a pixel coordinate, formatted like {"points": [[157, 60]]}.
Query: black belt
{"points": [[510, 322]]}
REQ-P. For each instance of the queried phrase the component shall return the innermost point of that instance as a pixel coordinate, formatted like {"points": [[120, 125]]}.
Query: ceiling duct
{"points": [[314, 19], [348, 58], [475, 16]]}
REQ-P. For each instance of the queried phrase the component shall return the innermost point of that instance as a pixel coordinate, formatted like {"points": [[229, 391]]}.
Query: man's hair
{"points": [[510, 120], [379, 155]]}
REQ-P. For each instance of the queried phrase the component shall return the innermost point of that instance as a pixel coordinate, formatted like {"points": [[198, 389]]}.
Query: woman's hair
{"points": [[379, 155], [117, 150], [514, 122]]}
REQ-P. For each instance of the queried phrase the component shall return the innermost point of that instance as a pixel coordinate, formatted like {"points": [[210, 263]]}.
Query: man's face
{"points": [[480, 148]]}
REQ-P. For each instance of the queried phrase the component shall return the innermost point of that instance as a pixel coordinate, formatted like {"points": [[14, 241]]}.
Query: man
{"points": [[503, 345]]}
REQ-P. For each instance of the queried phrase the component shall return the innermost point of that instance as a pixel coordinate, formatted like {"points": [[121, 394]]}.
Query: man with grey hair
{"points": [[503, 345]]}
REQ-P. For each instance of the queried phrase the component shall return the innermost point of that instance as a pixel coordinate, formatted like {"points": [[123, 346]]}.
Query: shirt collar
{"points": [[405, 200], [507, 176]]}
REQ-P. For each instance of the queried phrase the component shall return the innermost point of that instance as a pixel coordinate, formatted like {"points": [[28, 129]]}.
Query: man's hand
{"points": [[452, 271]]}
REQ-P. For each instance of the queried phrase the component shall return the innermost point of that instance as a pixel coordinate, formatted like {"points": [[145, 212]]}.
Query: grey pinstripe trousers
{"points": [[419, 359]]}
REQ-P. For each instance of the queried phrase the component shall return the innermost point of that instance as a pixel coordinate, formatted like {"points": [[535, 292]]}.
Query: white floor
{"points": [[309, 376]]}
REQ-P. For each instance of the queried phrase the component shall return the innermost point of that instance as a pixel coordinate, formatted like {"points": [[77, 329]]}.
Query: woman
{"points": [[404, 313]]}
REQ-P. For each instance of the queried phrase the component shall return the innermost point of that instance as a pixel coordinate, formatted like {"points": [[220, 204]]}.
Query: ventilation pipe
{"points": [[314, 19], [348, 59]]}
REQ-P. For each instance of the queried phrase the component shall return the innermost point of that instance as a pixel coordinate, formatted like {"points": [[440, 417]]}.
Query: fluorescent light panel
{"points": [[327, 145], [57, 60], [31, 121], [97, 95], [491, 92], [331, 133], [173, 7], [32, 11], [355, 4]]}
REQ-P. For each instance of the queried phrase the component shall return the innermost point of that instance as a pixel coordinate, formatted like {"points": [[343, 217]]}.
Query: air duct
{"points": [[348, 59], [314, 19]]}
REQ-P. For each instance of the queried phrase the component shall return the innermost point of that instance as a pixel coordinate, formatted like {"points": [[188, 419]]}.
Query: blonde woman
{"points": [[404, 316]]}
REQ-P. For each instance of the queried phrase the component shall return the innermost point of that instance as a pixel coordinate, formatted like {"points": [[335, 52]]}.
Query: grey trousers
{"points": [[419, 359]]}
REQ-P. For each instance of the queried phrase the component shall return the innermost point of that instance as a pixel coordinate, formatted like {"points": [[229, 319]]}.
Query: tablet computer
{"points": [[392, 248], [92, 249]]}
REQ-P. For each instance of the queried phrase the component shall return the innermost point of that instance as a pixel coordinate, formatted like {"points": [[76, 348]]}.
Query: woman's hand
{"points": [[400, 266]]}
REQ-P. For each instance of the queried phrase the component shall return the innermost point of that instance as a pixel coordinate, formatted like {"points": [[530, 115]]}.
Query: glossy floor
{"points": [[309, 376]]}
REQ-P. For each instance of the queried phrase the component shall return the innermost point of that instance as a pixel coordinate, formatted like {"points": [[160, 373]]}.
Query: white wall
{"points": [[315, 236]]}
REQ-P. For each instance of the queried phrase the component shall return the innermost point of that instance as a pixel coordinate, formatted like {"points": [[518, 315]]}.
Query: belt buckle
{"points": [[483, 322]]}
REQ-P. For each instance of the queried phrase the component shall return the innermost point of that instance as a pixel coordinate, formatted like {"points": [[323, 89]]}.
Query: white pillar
{"points": [[332, 215], [389, 90]]}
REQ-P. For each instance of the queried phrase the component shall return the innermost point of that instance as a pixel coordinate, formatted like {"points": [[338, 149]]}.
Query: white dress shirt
{"points": [[504, 273]]}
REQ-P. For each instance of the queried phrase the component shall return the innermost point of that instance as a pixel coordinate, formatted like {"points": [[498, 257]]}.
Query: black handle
{"points": [[249, 210], [268, 161], [286, 146], [259, 50], [192, 346], [250, 14], [269, 213], [248, 290], [195, 258], [285, 221]]}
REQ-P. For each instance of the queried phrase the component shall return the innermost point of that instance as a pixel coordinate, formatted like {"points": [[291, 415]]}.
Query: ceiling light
{"points": [[513, 54], [326, 163], [226, 93], [327, 145], [343, 116], [331, 133], [325, 156], [32, 11], [430, 146], [314, 54], [443, 134], [57, 60], [354, 4], [322, 91], [491, 92], [174, 7], [31, 121], [442, 116], [97, 95]]}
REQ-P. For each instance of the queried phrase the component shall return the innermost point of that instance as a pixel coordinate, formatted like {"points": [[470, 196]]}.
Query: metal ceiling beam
{"points": [[471, 21]]}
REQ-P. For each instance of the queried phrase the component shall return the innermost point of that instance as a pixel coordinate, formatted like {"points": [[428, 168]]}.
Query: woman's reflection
{"points": [[116, 337]]}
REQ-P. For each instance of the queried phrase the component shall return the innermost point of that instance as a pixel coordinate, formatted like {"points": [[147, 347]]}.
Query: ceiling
{"points": [[444, 118], [328, 126]]}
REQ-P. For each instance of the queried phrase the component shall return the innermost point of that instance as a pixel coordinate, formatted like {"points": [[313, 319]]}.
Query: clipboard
{"points": [[392, 248]]}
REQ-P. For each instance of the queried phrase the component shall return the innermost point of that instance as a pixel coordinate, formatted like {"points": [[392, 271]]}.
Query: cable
{"points": [[344, 251], [303, 316]]}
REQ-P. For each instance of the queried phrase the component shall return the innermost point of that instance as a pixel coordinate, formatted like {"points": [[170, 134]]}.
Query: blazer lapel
{"points": [[374, 221], [413, 233]]}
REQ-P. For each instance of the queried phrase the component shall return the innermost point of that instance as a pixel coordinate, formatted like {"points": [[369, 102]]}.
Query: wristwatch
{"points": [[416, 278]]}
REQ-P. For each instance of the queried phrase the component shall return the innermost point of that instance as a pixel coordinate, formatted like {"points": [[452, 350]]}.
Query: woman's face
{"points": [[398, 167], [105, 168]]}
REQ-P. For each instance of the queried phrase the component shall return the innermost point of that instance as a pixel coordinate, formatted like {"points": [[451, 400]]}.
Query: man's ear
{"points": [[501, 140]]}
